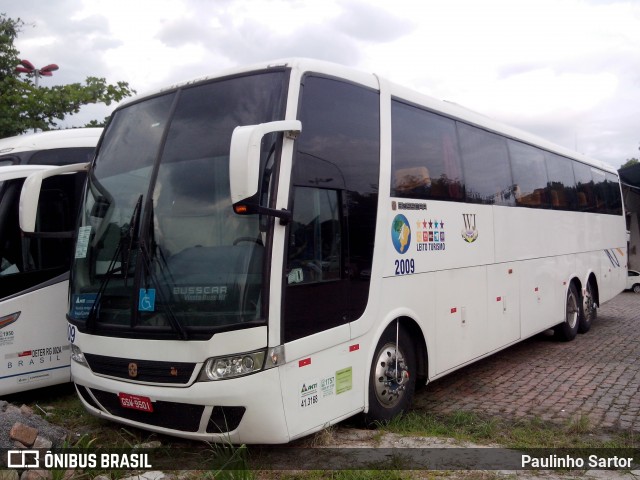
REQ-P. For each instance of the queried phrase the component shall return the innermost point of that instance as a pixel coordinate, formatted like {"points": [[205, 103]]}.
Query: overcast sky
{"points": [[566, 70]]}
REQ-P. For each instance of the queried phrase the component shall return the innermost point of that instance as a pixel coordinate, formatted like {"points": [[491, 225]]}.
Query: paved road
{"points": [[597, 375]]}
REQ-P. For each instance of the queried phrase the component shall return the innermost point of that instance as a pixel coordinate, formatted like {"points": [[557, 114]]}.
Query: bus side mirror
{"points": [[30, 194], [244, 159]]}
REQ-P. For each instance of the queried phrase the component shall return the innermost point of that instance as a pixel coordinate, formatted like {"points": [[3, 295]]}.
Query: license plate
{"points": [[135, 402]]}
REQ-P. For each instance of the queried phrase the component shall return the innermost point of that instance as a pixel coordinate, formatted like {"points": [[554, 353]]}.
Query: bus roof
{"points": [[74, 137], [373, 80]]}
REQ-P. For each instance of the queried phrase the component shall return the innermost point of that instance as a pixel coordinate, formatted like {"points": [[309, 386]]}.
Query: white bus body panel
{"points": [[35, 349], [480, 296]]}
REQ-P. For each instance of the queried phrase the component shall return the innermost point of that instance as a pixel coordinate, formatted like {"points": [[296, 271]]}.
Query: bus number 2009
{"points": [[405, 267]]}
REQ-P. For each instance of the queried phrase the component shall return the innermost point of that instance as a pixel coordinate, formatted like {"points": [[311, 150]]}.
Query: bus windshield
{"points": [[159, 247]]}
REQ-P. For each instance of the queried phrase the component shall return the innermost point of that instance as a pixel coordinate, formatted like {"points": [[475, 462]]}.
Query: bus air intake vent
{"points": [[183, 417], [225, 419], [141, 370]]}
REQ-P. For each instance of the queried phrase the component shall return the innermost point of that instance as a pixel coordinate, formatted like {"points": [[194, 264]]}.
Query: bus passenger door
{"points": [[315, 294], [315, 314]]}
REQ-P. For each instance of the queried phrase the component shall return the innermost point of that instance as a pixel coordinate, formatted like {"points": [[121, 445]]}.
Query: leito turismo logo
{"points": [[401, 234]]}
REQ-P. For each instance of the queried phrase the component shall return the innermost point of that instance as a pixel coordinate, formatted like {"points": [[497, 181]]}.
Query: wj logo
{"points": [[469, 232]]}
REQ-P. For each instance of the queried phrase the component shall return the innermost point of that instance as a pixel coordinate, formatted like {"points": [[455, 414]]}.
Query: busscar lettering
{"points": [[201, 293]]}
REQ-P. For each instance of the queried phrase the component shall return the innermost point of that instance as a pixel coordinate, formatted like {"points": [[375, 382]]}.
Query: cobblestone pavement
{"points": [[596, 375]]}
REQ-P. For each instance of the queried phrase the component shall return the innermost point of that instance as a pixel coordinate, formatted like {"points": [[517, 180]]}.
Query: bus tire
{"points": [[589, 310], [391, 391], [567, 330]]}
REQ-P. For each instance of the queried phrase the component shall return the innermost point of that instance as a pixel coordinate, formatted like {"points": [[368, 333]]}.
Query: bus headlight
{"points": [[77, 355], [222, 368]]}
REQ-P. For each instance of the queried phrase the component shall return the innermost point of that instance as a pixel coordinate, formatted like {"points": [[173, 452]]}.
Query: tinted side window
{"points": [[27, 262], [337, 163], [62, 156], [314, 237], [562, 184], [340, 130], [8, 160], [584, 187], [425, 162], [600, 192], [485, 161], [614, 199], [529, 175]]}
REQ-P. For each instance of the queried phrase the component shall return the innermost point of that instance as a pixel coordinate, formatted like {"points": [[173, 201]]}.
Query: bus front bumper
{"points": [[242, 410]]}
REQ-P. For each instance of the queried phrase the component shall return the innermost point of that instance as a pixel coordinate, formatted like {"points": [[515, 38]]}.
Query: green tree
{"points": [[630, 162], [24, 107]]}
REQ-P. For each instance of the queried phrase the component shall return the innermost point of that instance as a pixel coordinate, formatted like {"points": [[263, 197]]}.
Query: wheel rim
{"points": [[636, 288], [572, 310], [389, 383]]}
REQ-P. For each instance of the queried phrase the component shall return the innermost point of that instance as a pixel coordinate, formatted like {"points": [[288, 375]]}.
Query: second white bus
{"points": [[34, 270]]}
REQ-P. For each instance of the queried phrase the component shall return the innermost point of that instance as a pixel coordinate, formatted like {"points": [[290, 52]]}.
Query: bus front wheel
{"points": [[568, 329], [392, 379]]}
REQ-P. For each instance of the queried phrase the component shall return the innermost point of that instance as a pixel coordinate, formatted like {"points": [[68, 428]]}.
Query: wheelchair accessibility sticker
{"points": [[147, 300]]}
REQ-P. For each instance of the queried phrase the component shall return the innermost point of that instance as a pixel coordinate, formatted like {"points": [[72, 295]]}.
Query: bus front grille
{"points": [[141, 370]]}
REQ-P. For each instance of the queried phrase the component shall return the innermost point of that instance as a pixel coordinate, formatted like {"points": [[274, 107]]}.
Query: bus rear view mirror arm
{"points": [[244, 155], [248, 208], [30, 194]]}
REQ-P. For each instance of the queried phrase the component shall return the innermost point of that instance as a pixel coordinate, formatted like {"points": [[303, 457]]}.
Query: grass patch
{"points": [[345, 475], [379, 475], [524, 433], [461, 426]]}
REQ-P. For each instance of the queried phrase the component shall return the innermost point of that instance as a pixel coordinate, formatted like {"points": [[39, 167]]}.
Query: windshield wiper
{"points": [[148, 259], [128, 237]]}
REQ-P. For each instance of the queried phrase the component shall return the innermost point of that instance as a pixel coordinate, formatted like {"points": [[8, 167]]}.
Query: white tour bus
{"points": [[34, 270], [268, 251]]}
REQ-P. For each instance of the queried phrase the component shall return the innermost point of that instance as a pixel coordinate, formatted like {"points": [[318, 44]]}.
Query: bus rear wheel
{"points": [[589, 311], [567, 330], [392, 379]]}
